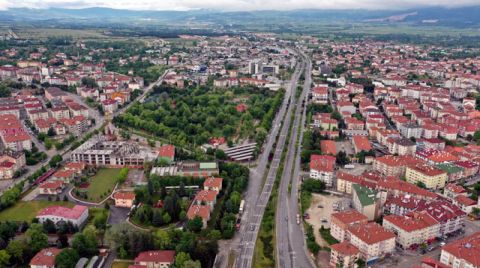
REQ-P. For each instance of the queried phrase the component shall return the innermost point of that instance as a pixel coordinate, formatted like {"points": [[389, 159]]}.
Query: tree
{"points": [[51, 132], [36, 238], [157, 218], [195, 224], [166, 218], [342, 158], [181, 258], [55, 160], [421, 184], [17, 250], [86, 243], [192, 264], [476, 136], [4, 258], [161, 239], [67, 258]]}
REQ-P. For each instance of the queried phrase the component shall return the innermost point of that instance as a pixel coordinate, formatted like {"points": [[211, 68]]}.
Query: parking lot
{"points": [[321, 208]]}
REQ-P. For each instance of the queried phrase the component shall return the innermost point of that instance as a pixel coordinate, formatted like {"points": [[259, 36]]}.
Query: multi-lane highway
{"points": [[290, 238], [255, 201]]}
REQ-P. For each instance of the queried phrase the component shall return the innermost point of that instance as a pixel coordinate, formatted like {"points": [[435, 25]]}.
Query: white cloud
{"points": [[234, 4]]}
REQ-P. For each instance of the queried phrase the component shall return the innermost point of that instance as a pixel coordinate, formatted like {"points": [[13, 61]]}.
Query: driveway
{"points": [[117, 215]]}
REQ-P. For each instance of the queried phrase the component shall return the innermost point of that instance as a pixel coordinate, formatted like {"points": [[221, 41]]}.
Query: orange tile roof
{"points": [[46, 257], [213, 182], [324, 163], [206, 195], [412, 221], [362, 143], [124, 195]]}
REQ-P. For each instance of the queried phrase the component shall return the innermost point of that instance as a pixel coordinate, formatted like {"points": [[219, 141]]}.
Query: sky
{"points": [[235, 5]]}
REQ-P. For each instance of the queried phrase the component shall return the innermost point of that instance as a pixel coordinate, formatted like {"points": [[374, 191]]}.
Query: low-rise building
{"points": [[199, 211], [45, 258], [78, 215], [156, 258], [52, 187], [213, 184], [124, 199]]}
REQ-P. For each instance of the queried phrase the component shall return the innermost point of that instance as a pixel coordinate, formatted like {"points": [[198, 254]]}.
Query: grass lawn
{"points": [[102, 184], [121, 264], [26, 211]]}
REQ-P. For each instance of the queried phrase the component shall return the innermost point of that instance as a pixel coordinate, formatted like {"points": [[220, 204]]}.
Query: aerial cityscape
{"points": [[239, 134]]}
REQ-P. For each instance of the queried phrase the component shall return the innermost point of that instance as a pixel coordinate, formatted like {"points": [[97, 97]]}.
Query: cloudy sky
{"points": [[234, 4]]}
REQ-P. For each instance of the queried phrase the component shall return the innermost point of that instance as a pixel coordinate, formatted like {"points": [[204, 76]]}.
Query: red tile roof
{"points": [[427, 170], [124, 195], [371, 233], [200, 211], [165, 256], [167, 151], [345, 248], [412, 221], [466, 249], [361, 143], [349, 216], [213, 182], [64, 212], [323, 163], [46, 257], [206, 195], [465, 200], [328, 147]]}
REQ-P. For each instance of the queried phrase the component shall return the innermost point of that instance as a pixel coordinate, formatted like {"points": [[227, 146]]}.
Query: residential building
{"points": [[167, 153], [124, 199], [328, 147], [390, 165], [201, 211], [322, 168], [372, 240], [156, 258], [213, 184], [45, 258], [412, 229], [340, 221], [431, 177], [365, 201], [361, 143], [52, 187], [344, 255], [462, 252]]}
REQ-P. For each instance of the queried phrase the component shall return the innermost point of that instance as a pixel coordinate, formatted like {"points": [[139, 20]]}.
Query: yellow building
{"points": [[432, 177]]}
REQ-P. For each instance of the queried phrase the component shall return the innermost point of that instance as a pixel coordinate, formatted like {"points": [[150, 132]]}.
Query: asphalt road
{"points": [[290, 238], [255, 202]]}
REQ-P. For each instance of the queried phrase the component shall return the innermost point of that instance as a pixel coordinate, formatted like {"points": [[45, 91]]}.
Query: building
{"points": [[322, 168], [199, 211], [452, 190], [340, 221], [52, 187], [454, 172], [412, 229], [390, 165], [328, 147], [432, 177], [167, 153], [344, 255], [320, 95], [124, 199], [365, 201], [206, 197], [45, 258], [462, 252], [156, 258], [11, 162], [98, 152], [410, 130], [78, 215], [466, 204], [188, 169], [372, 240], [450, 216], [361, 143], [213, 184]]}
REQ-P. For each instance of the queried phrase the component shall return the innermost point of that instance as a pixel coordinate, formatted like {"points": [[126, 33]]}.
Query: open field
{"points": [[26, 211], [40, 33], [102, 184]]}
